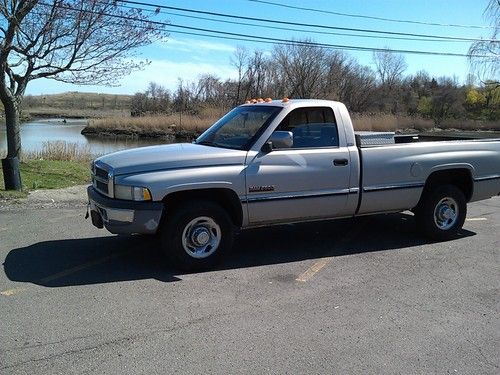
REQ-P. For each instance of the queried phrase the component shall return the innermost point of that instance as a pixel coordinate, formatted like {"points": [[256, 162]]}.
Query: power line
{"points": [[293, 29], [338, 46], [370, 17], [257, 38], [159, 6]]}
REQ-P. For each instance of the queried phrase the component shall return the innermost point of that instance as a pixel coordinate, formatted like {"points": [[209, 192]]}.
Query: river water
{"points": [[35, 133]]}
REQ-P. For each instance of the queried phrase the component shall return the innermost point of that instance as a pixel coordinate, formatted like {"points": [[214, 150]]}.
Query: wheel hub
{"points": [[200, 236], [446, 213]]}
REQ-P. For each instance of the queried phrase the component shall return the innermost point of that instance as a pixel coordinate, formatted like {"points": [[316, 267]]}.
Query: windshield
{"points": [[238, 128]]}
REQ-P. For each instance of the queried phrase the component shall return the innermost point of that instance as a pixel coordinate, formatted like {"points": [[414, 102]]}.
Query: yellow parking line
{"points": [[476, 219], [80, 267], [315, 268], [11, 292], [67, 272]]}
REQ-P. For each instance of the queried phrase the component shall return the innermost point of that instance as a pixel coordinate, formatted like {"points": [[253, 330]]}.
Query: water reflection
{"points": [[34, 133]]}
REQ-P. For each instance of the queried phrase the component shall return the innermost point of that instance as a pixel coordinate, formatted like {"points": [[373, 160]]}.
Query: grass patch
{"points": [[57, 165], [48, 174], [53, 174]]}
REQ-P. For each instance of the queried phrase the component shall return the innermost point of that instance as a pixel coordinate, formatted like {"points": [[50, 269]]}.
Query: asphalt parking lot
{"points": [[354, 296]]}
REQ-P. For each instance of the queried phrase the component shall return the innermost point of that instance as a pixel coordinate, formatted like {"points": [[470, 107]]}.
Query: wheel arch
{"points": [[457, 175], [224, 196]]}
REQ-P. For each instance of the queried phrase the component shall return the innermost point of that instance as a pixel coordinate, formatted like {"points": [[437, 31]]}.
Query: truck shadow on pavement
{"points": [[124, 258]]}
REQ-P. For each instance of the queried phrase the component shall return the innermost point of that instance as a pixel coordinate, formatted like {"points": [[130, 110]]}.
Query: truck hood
{"points": [[172, 156]]}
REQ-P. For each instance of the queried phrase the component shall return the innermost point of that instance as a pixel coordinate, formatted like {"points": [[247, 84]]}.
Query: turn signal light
{"points": [[146, 195]]}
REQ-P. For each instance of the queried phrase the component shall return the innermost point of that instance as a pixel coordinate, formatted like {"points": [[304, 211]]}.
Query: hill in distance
{"points": [[76, 104]]}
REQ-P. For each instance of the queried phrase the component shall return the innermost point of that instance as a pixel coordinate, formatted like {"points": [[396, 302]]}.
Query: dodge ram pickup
{"points": [[284, 161]]}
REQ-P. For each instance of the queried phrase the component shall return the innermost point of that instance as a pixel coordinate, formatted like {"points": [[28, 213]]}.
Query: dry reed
{"points": [[60, 150], [153, 124], [176, 123], [387, 122]]}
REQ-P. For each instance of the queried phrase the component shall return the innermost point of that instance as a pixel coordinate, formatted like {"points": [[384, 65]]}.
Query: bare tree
{"points": [[358, 86], [389, 66], [75, 41], [338, 67], [238, 60], [304, 65], [484, 55], [255, 74]]}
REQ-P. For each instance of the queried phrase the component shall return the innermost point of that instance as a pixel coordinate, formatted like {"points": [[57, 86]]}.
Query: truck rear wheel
{"points": [[442, 212], [197, 235]]}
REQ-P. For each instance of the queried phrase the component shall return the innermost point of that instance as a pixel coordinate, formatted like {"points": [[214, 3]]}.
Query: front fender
{"points": [[199, 186]]}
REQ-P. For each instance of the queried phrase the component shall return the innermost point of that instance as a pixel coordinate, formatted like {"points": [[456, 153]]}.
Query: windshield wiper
{"points": [[214, 144]]}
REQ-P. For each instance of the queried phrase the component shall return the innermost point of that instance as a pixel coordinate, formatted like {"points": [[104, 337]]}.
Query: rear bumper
{"points": [[124, 217]]}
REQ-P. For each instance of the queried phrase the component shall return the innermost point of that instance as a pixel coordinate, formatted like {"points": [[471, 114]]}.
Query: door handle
{"points": [[340, 162]]}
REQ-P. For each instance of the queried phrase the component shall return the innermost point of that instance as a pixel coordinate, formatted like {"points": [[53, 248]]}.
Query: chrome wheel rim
{"points": [[201, 237], [446, 213]]}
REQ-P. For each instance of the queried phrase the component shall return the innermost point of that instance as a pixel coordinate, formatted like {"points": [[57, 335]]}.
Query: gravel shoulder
{"points": [[73, 196]]}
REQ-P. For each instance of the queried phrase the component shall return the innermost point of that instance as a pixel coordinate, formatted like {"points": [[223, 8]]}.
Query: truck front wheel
{"points": [[441, 213], [197, 235]]}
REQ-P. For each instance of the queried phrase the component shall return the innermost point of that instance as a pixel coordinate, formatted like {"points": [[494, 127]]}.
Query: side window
{"points": [[311, 127]]}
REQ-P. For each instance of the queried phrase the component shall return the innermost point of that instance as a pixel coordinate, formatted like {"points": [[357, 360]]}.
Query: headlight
{"points": [[132, 193]]}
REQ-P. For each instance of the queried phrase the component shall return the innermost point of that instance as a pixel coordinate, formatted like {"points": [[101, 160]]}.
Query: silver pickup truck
{"points": [[275, 162]]}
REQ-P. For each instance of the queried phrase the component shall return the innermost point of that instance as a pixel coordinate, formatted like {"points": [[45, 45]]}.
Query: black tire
{"points": [[208, 217], [432, 218]]}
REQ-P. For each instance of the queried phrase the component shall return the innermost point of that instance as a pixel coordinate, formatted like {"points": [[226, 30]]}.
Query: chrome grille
{"points": [[102, 178], [99, 172], [101, 186]]}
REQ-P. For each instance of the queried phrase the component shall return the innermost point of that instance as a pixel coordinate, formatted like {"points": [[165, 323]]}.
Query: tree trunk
{"points": [[10, 165]]}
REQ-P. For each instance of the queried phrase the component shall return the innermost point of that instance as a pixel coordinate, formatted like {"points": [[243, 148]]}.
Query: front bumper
{"points": [[124, 217]]}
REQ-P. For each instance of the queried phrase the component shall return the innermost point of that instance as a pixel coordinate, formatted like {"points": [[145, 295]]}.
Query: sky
{"points": [[187, 57]]}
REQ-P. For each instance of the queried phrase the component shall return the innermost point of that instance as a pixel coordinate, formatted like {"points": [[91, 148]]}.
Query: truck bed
{"points": [[393, 176], [368, 138]]}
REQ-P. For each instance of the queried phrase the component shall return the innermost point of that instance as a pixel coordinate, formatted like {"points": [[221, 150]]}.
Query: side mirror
{"points": [[279, 139]]}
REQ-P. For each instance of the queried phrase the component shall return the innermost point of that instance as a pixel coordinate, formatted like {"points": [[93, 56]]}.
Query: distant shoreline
{"points": [[168, 134]]}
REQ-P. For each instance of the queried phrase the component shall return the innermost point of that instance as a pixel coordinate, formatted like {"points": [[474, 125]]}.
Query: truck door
{"points": [[310, 180]]}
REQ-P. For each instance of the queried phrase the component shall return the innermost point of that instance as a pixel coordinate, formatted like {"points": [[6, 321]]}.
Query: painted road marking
{"points": [[476, 219], [80, 267], [11, 292], [322, 262], [314, 269], [67, 272]]}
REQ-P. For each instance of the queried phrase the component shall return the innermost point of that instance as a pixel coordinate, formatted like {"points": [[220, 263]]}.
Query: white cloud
{"points": [[196, 45]]}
